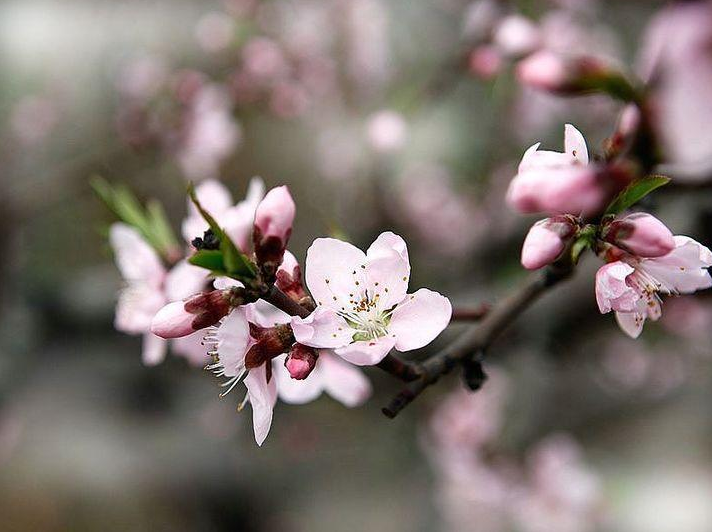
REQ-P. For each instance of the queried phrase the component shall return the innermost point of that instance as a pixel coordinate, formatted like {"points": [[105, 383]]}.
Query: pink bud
{"points": [[545, 241], [301, 361], [173, 321], [273, 224], [641, 234], [552, 72], [485, 61]]}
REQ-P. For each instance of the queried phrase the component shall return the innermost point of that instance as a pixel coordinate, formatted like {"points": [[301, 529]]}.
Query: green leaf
{"points": [[210, 259], [237, 265], [635, 192], [585, 239], [159, 225]]}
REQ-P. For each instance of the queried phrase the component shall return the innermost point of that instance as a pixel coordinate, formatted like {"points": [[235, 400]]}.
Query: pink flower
{"points": [[543, 70], [545, 241], [331, 374], [148, 287], [236, 220], [363, 309], [558, 183], [386, 131], [516, 36], [640, 234], [485, 61], [273, 224], [631, 286]]}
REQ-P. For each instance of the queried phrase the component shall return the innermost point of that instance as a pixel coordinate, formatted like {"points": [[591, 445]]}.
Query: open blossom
{"points": [[235, 219], [149, 286], [363, 308], [632, 285], [558, 183]]}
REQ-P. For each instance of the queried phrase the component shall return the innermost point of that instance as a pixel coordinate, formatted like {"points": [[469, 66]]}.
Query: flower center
{"points": [[366, 318]]}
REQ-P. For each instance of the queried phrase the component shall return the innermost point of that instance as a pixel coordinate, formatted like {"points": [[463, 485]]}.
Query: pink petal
{"points": [[342, 381], [233, 341], [263, 396], [419, 319], [215, 198], [323, 328], [333, 268], [387, 269], [266, 315], [136, 308], [154, 349], [222, 283], [185, 280], [684, 269], [630, 323], [298, 392], [192, 348], [575, 144], [367, 352], [136, 259], [612, 292]]}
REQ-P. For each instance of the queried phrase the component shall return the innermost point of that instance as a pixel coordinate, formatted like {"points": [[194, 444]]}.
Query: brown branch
{"points": [[471, 314], [474, 342], [285, 303]]}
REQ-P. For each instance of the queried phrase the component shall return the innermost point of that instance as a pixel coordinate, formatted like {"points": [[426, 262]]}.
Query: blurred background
{"points": [[378, 114]]}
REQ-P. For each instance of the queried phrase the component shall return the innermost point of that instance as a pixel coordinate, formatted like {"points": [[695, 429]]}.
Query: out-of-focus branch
{"points": [[474, 342], [471, 314]]}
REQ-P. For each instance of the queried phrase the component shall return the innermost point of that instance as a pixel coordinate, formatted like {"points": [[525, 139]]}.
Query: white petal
{"points": [[684, 269], [342, 381], [263, 396], [215, 198], [367, 352], [630, 323], [575, 144], [322, 328], [267, 315], [233, 341], [192, 348], [387, 269], [136, 307], [222, 283], [333, 268], [136, 259], [154, 349], [184, 280], [419, 319], [298, 392]]}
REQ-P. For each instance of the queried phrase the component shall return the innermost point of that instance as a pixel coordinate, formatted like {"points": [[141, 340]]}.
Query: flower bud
{"points": [[546, 240], [269, 342], [182, 318], [289, 277], [273, 225], [640, 234], [173, 321], [552, 72], [300, 361]]}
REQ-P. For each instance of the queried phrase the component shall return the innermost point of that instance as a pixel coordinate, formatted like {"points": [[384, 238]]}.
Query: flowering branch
{"points": [[472, 344]]}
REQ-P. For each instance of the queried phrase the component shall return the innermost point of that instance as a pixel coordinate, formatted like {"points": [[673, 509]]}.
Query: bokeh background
{"points": [[379, 114]]}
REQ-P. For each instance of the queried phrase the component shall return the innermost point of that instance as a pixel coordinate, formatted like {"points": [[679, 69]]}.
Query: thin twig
{"points": [[476, 340], [471, 314]]}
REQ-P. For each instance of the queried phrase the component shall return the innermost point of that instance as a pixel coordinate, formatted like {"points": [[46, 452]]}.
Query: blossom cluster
{"points": [[357, 310], [644, 261]]}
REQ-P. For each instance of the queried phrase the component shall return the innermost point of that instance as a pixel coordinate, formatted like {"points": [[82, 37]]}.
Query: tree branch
{"points": [[471, 314], [474, 342]]}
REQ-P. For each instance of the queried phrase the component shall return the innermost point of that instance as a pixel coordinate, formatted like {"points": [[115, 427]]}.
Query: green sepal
{"points": [[235, 263]]}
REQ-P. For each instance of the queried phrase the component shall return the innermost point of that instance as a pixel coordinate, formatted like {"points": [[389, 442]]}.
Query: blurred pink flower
{"points": [[363, 309], [215, 31], [148, 287], [676, 59], [485, 61], [386, 131], [264, 61], [516, 36], [211, 133], [631, 286], [236, 219], [142, 77]]}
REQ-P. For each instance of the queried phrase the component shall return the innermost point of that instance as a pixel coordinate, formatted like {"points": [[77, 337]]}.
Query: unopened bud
{"points": [[640, 234], [270, 342], [552, 72], [300, 361], [182, 318], [273, 225], [546, 241], [289, 277]]}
